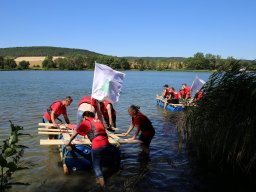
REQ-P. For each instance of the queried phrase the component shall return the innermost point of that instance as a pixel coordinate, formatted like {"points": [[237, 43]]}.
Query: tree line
{"points": [[199, 61]]}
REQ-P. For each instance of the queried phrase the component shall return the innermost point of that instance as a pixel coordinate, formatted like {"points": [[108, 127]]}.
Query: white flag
{"points": [[107, 83], [197, 84]]}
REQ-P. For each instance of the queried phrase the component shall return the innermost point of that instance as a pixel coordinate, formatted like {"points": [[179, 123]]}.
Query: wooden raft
{"points": [[173, 105], [66, 132]]}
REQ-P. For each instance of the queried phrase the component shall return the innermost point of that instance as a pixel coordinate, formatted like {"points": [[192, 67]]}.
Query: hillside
{"points": [[43, 51], [157, 58]]}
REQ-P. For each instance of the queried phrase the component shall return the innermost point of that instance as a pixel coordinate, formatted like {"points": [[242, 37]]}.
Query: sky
{"points": [[142, 28]]}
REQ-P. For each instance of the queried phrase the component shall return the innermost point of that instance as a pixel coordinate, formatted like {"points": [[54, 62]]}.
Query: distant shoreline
{"points": [[173, 70]]}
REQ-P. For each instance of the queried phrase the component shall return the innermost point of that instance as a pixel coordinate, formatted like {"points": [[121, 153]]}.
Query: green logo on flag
{"points": [[105, 87]]}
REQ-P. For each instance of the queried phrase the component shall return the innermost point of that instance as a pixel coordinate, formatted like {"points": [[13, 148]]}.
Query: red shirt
{"points": [[86, 126], [89, 100], [58, 109], [187, 92], [144, 123]]}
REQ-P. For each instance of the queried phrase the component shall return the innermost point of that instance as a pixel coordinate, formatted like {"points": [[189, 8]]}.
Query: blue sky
{"points": [[156, 28]]}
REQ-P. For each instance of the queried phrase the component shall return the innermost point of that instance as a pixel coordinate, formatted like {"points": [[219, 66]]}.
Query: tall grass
{"points": [[220, 132]]}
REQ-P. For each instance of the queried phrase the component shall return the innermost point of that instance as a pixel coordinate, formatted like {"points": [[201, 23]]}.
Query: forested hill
{"points": [[59, 51], [43, 51], [157, 58]]}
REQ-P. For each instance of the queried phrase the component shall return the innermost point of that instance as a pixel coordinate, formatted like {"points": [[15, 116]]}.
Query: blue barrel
{"points": [[169, 107], [78, 159]]}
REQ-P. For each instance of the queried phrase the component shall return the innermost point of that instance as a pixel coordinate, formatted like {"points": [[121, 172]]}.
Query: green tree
{"points": [[48, 63], [124, 64], [61, 63], [90, 61], [24, 64], [1, 62], [10, 63], [198, 62], [78, 62]]}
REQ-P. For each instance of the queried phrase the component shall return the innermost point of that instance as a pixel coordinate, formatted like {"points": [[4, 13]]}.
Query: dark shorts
{"points": [[173, 101], [146, 140]]}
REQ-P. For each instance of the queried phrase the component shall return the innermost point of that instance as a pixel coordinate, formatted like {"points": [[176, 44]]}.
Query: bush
{"points": [[10, 156]]}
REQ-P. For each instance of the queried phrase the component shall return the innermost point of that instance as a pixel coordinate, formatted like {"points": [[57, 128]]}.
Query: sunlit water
{"points": [[25, 95]]}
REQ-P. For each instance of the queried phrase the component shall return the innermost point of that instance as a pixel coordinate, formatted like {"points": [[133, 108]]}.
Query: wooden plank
{"points": [[66, 136], [121, 135], [49, 133], [112, 135], [51, 125], [61, 142], [176, 105], [56, 130], [126, 141], [172, 104], [112, 141], [82, 142]]}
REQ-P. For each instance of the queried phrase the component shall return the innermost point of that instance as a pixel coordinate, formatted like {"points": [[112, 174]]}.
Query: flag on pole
{"points": [[107, 83], [197, 84]]}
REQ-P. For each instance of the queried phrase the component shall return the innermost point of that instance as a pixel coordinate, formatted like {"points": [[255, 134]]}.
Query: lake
{"points": [[25, 95]]}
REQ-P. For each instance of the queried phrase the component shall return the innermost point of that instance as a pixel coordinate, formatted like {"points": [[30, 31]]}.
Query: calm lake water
{"points": [[25, 95]]}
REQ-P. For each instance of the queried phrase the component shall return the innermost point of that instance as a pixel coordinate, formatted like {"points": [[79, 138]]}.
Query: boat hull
{"points": [[170, 107]]}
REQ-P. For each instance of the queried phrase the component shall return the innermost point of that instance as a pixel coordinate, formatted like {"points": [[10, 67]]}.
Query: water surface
{"points": [[25, 95]]}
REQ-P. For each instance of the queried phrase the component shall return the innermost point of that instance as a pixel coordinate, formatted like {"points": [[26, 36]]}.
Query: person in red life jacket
{"points": [[187, 91], [182, 94], [87, 103], [56, 109], [173, 98], [199, 95], [166, 92], [109, 114], [101, 147], [143, 125]]}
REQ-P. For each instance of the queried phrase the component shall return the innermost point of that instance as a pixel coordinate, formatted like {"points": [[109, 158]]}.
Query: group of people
{"points": [[93, 119], [170, 95]]}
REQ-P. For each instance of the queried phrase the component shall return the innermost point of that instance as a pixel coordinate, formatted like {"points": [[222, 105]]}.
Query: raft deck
{"points": [[66, 132]]}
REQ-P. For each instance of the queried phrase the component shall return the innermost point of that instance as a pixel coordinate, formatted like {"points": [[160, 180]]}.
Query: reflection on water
{"points": [[25, 95]]}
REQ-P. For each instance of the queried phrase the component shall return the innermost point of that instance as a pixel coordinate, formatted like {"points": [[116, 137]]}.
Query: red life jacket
{"points": [[89, 100], [49, 109], [176, 95], [105, 111], [187, 92], [182, 93], [97, 129], [199, 95]]}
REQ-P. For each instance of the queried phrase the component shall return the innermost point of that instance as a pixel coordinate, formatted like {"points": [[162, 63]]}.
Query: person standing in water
{"points": [[143, 125]]}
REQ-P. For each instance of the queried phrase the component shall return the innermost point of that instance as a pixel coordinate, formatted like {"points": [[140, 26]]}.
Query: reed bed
{"points": [[220, 132]]}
